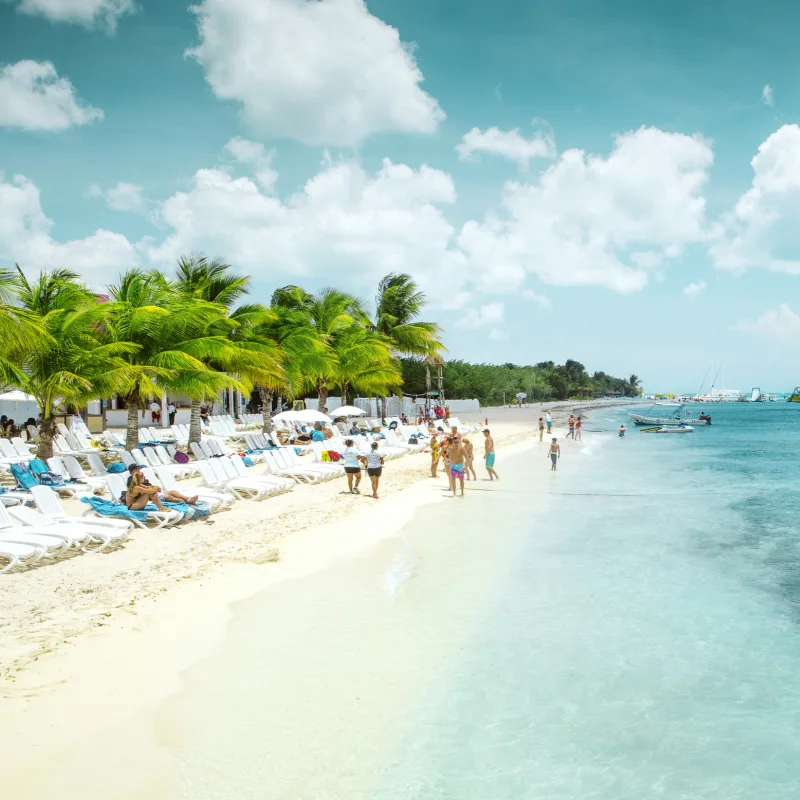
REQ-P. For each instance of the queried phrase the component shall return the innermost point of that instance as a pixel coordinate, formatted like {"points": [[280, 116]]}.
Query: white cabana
{"points": [[346, 411]]}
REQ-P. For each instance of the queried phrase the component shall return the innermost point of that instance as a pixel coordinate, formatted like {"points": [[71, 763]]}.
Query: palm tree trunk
{"points": [[322, 390], [383, 408], [266, 409], [132, 428], [195, 431], [344, 395], [47, 431]]}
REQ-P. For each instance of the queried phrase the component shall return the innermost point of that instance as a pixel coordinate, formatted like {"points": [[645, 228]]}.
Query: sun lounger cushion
{"points": [[23, 476]]}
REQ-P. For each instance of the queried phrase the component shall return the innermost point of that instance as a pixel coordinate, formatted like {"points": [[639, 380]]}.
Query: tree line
{"points": [[194, 334], [491, 383]]}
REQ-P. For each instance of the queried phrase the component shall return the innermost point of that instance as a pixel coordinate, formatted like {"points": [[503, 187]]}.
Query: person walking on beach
{"points": [[374, 464], [554, 453], [458, 459], [488, 455], [548, 419], [352, 466], [541, 429], [155, 412], [578, 426], [435, 455], [447, 443], [468, 446], [571, 427]]}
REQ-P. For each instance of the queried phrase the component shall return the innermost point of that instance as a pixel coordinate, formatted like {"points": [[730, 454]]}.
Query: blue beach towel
{"points": [[23, 476], [116, 466], [110, 509]]}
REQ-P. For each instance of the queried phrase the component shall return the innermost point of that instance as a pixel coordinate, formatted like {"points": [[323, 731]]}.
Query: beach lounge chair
{"points": [[75, 534], [19, 554], [243, 488], [54, 544], [21, 449], [279, 483], [113, 508], [75, 471], [218, 501]]}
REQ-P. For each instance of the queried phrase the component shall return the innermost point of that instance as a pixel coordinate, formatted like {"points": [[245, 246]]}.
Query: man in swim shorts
{"points": [[571, 427], [554, 453], [488, 455], [458, 459], [548, 419]]}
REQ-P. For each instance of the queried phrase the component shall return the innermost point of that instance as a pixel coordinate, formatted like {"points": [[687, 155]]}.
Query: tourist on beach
{"points": [[554, 453], [435, 455], [171, 410], [204, 413], [458, 459], [571, 427], [548, 418], [469, 447], [622, 431], [155, 412], [140, 492], [578, 426], [374, 464], [317, 435], [446, 442], [488, 455], [541, 429], [352, 466]]}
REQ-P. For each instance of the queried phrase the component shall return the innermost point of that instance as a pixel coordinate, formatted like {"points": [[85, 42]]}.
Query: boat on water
{"points": [[668, 418], [669, 429]]}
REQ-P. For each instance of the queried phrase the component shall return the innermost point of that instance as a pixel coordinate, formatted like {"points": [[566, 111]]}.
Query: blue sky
{"points": [[623, 223]]}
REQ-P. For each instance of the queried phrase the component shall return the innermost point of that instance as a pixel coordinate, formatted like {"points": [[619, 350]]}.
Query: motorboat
{"points": [[669, 429], [669, 418]]}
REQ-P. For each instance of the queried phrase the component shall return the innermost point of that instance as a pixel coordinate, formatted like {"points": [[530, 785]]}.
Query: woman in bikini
{"points": [[446, 460], [470, 460], [435, 455], [140, 492]]}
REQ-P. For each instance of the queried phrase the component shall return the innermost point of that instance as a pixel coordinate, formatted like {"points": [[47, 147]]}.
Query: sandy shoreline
{"points": [[115, 632]]}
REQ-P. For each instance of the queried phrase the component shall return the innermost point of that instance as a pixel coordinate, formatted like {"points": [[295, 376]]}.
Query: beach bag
{"points": [[50, 479], [333, 455], [117, 466], [325, 455], [180, 457]]}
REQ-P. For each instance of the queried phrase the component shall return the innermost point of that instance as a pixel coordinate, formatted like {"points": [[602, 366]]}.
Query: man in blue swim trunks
{"points": [[489, 455]]}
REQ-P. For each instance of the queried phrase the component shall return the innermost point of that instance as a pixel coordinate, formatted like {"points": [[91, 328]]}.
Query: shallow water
{"points": [[635, 634]]}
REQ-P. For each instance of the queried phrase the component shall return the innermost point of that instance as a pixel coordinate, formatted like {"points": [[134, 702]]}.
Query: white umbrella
{"points": [[346, 411], [17, 396], [302, 415]]}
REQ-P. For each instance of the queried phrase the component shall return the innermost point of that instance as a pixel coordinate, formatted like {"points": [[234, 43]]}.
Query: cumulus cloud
{"points": [[485, 316], [582, 221], [761, 229], [256, 157], [768, 96], [537, 299], [80, 12], [25, 237], [122, 197], [691, 290], [506, 144], [322, 72], [781, 324], [33, 97]]}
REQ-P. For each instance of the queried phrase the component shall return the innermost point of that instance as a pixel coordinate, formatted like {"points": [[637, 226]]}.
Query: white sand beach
{"points": [[90, 647]]}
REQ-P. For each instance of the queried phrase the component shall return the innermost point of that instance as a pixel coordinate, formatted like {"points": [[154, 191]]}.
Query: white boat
{"points": [[674, 418], [669, 429]]}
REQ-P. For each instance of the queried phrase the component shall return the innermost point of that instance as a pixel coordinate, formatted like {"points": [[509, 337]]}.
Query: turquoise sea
{"points": [[633, 634]]}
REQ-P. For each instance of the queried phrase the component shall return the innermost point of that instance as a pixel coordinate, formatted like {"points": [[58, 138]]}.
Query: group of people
{"points": [[9, 428], [458, 456], [355, 460], [155, 412]]}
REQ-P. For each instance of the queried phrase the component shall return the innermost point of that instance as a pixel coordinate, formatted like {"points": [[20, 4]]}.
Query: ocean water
{"points": [[633, 634]]}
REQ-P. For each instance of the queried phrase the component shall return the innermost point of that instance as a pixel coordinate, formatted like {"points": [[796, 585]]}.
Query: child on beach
{"points": [[541, 429], [621, 431], [373, 461], [470, 460], [554, 453]]}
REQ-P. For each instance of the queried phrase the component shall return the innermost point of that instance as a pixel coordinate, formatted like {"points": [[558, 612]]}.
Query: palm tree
{"points": [[398, 304], [201, 279], [171, 345], [633, 386], [70, 364], [364, 363]]}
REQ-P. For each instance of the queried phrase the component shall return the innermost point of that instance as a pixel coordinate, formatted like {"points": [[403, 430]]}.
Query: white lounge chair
{"points": [[19, 554], [74, 534], [217, 500], [54, 544], [163, 519]]}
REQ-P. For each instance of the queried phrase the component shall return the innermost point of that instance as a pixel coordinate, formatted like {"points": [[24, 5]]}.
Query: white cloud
{"points": [[257, 157], [536, 299], [25, 238], [498, 334], [506, 144], [321, 72], [81, 12], [761, 229], [122, 197], [33, 97], [691, 290], [485, 316], [768, 96], [781, 324], [587, 220]]}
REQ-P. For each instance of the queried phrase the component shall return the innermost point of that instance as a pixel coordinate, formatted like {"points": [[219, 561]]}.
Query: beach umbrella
{"points": [[521, 395], [346, 411], [302, 415]]}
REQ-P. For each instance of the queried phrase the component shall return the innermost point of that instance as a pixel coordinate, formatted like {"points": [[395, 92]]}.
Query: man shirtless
{"points": [[488, 455], [457, 454], [554, 453]]}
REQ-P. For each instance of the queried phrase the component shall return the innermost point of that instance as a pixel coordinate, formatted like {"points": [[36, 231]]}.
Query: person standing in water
{"points": [[548, 419], [374, 464], [571, 427], [554, 453], [622, 431], [468, 446], [488, 455], [352, 466], [578, 426], [541, 429], [458, 459]]}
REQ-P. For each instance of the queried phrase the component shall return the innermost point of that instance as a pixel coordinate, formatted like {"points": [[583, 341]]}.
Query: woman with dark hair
{"points": [[374, 464], [352, 466], [140, 492]]}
